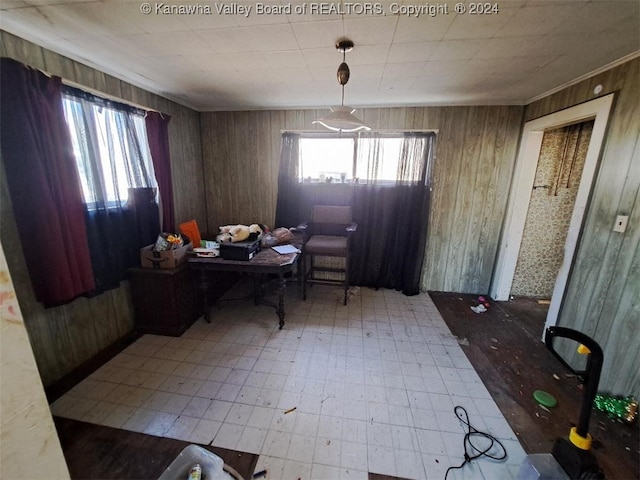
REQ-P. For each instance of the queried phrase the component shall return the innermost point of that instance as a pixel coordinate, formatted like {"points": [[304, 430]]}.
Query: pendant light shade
{"points": [[341, 118]]}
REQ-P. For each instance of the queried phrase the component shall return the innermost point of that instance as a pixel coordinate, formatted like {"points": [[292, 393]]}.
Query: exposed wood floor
{"points": [[98, 452], [505, 348]]}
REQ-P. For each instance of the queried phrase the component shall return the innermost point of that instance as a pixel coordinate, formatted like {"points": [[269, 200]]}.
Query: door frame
{"points": [[520, 194]]}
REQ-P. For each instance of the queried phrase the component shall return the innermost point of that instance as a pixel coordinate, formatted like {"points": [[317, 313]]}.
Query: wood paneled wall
{"points": [[225, 168], [603, 295], [475, 155], [64, 337]]}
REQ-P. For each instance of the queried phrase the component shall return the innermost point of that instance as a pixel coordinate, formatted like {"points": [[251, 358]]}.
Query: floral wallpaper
{"points": [[554, 192]]}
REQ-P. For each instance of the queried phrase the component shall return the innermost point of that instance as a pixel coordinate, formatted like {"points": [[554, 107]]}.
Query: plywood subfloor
{"points": [[505, 347]]}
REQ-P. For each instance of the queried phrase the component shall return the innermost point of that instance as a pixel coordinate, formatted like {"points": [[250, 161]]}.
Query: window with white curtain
{"points": [[333, 159], [110, 147]]}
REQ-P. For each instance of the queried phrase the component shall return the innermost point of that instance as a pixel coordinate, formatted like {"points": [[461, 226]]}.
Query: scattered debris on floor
{"points": [[479, 308], [545, 399], [463, 341], [290, 410], [482, 305], [620, 408]]}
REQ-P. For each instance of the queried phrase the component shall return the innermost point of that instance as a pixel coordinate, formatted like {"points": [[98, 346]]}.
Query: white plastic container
{"points": [[212, 465], [541, 466]]}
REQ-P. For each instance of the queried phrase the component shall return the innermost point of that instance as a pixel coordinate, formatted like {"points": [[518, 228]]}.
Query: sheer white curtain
{"points": [[111, 150]]}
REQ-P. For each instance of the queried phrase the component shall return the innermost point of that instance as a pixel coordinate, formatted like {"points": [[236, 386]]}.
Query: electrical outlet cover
{"points": [[621, 223]]}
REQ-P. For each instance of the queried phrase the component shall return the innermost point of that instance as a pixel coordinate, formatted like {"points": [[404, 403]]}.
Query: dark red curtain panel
{"points": [[158, 136], [43, 183]]}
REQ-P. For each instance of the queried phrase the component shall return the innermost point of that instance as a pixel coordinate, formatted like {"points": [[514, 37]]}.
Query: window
{"points": [[387, 180], [110, 147], [119, 187], [323, 159], [388, 155], [348, 160]]}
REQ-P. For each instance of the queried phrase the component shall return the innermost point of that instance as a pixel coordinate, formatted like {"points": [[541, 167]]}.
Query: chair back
{"points": [[330, 219]]}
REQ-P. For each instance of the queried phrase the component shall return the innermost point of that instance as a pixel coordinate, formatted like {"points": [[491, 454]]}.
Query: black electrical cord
{"points": [[472, 432]]}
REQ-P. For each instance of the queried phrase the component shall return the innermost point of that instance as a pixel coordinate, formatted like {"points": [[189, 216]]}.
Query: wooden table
{"points": [[264, 263]]}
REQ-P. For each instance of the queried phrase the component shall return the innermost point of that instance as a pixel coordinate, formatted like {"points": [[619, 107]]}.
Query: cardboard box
{"points": [[239, 250], [167, 259]]}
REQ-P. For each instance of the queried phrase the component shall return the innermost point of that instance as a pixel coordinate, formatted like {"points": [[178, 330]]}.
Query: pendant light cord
{"points": [[344, 60], [344, 52]]}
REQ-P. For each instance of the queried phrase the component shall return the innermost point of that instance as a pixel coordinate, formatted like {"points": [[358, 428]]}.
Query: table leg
{"points": [[282, 285], [257, 289], [204, 290]]}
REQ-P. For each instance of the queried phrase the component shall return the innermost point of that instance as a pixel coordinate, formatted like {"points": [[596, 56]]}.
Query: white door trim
{"points": [[520, 194]]}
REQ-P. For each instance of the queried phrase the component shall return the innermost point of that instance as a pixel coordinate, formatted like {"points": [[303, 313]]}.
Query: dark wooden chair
{"points": [[327, 234]]}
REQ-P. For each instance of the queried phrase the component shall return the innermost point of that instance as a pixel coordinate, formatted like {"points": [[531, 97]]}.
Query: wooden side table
{"points": [[165, 301]]}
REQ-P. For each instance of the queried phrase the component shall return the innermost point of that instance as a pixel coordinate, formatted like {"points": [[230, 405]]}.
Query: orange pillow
{"points": [[190, 229]]}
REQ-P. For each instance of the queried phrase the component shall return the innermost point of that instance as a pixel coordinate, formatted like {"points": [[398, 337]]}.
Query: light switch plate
{"points": [[621, 223]]}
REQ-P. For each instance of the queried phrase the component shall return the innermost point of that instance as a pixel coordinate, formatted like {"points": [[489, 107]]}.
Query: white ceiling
{"points": [[229, 61]]}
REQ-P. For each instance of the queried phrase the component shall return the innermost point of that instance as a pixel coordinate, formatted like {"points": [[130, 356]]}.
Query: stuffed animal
{"points": [[224, 236], [257, 231], [239, 233]]}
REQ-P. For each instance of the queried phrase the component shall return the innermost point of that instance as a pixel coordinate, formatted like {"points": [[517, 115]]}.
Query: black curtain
{"points": [[117, 234], [389, 245], [296, 199], [290, 193]]}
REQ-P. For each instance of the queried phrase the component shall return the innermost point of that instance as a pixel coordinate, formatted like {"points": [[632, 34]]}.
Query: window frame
{"points": [[352, 178], [70, 93]]}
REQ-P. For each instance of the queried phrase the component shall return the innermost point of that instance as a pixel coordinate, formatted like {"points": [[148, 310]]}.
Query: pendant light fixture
{"points": [[341, 118]]}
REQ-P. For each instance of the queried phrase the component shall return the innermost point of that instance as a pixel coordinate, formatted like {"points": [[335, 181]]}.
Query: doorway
{"points": [[555, 187], [521, 191]]}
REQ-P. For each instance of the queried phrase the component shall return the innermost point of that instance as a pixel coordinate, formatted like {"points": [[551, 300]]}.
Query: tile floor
{"points": [[373, 384]]}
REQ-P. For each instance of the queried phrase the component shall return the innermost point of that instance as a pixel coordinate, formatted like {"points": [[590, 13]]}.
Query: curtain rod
{"points": [[107, 96], [433, 130], [91, 90]]}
